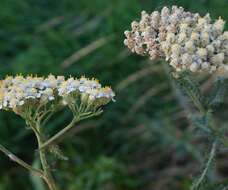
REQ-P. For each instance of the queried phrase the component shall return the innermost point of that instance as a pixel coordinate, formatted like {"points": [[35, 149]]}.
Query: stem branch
{"points": [[59, 134], [14, 158], [76, 119], [212, 154], [46, 169]]}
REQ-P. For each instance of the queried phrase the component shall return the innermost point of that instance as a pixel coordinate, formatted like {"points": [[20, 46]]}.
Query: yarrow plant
{"points": [[35, 99], [191, 44]]}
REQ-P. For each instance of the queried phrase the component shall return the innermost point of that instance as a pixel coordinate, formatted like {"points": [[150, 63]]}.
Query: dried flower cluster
{"points": [[187, 40], [18, 91]]}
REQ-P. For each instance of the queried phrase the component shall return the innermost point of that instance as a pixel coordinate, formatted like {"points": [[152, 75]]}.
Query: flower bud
{"points": [[219, 25], [194, 67]]}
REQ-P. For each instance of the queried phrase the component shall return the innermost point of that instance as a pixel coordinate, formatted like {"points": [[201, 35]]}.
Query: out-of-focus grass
{"points": [[144, 140]]}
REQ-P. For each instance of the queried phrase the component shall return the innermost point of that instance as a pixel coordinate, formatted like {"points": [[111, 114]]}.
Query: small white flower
{"points": [[17, 91], [205, 65], [194, 67], [202, 53], [218, 59], [219, 25]]}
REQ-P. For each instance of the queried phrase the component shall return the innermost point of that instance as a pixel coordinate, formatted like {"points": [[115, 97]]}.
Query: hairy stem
{"points": [[212, 154]]}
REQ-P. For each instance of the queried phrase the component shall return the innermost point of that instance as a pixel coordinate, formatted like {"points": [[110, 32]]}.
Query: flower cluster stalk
{"points": [[36, 99], [191, 44], [193, 91], [46, 168]]}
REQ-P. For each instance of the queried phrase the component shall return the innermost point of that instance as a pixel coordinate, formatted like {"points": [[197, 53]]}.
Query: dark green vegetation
{"points": [[143, 141]]}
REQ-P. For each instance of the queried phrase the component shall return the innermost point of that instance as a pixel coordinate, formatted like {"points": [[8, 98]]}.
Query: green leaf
{"points": [[37, 182], [203, 122], [192, 89], [57, 152], [218, 92]]}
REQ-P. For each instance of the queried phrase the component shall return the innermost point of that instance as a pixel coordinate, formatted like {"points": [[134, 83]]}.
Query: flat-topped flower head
{"points": [[186, 40], [98, 96], [32, 91]]}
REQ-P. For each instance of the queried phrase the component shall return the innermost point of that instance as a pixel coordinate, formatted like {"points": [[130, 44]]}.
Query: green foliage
{"points": [[101, 173]]}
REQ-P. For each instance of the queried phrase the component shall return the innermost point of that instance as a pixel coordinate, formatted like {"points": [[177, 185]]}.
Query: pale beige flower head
{"points": [[186, 40]]}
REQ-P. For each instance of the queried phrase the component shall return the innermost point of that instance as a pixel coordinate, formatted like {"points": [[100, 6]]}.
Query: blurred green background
{"points": [[144, 141]]}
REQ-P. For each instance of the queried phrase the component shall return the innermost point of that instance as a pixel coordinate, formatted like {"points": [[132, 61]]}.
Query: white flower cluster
{"points": [[18, 91], [187, 40]]}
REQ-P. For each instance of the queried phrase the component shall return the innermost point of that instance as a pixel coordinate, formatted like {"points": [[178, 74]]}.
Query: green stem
{"points": [[50, 180], [212, 154], [198, 104], [195, 100], [76, 119], [14, 158], [59, 134]]}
